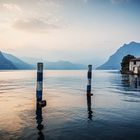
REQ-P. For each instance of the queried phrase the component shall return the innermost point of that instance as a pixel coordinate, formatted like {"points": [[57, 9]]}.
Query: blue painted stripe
{"points": [[39, 95], [89, 75], [88, 88], [39, 76]]}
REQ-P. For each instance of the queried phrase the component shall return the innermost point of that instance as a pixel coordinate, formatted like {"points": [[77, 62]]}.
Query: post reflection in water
{"points": [[39, 119], [89, 107]]}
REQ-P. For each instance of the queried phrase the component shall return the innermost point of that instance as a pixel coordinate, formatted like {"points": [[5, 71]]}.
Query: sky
{"points": [[83, 31]]}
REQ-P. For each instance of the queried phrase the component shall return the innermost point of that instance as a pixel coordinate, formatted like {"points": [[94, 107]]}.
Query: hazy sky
{"points": [[76, 30]]}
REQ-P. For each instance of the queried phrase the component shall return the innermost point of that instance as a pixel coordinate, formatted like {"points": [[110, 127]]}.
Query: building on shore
{"points": [[134, 66]]}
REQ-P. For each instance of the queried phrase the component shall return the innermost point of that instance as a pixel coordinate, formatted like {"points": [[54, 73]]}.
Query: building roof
{"points": [[135, 59]]}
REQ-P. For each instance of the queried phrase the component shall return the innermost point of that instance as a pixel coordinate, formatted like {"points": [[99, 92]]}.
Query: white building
{"points": [[134, 66]]}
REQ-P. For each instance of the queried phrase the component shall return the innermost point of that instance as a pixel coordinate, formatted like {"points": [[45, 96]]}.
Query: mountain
{"points": [[114, 60], [17, 62], [22, 65], [6, 64], [64, 65], [58, 65], [31, 60]]}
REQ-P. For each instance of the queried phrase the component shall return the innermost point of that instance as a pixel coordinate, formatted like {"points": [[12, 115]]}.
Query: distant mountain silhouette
{"points": [[58, 65], [21, 65], [6, 64], [64, 65], [114, 60]]}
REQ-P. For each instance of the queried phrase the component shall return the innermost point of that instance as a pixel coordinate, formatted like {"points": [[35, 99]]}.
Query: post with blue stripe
{"points": [[39, 88], [89, 76], [39, 82]]}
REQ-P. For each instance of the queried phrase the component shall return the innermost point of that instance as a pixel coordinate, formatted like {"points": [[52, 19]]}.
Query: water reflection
{"points": [[89, 107], [117, 111], [39, 119], [132, 81]]}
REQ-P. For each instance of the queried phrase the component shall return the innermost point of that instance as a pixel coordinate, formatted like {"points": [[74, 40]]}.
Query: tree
{"points": [[125, 63]]}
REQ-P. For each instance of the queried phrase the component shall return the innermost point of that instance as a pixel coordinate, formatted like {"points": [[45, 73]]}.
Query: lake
{"points": [[113, 112]]}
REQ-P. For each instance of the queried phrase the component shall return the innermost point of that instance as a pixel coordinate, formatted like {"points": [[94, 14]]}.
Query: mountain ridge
{"points": [[6, 64], [20, 64], [58, 65], [115, 59], [64, 65]]}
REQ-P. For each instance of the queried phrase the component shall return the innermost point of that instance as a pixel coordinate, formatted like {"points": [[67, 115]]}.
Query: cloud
{"points": [[34, 25], [119, 1], [85, 1], [31, 15], [11, 7]]}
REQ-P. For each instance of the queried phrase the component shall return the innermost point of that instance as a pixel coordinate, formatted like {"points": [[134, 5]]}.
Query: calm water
{"points": [[112, 113]]}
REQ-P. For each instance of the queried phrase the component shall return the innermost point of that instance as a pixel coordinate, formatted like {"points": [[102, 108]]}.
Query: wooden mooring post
{"points": [[39, 88], [89, 76]]}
